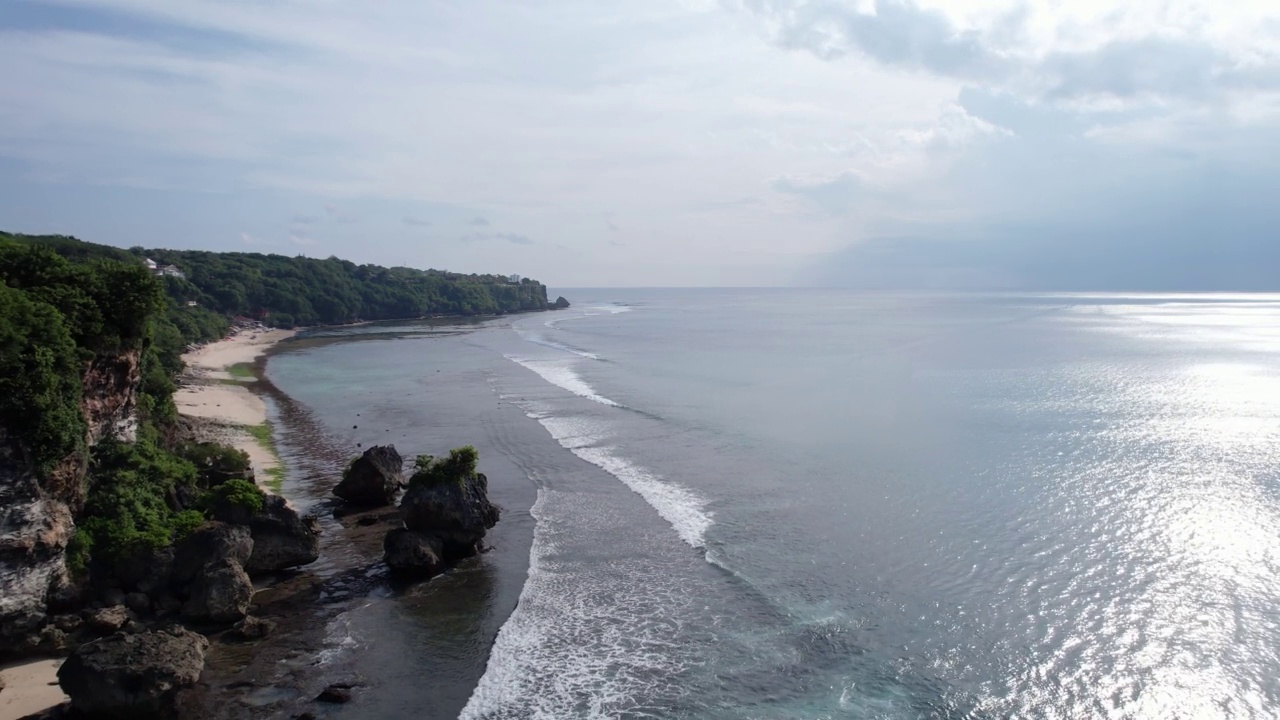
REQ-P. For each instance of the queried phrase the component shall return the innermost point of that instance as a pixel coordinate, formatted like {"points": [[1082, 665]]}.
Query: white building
{"points": [[151, 264], [514, 279]]}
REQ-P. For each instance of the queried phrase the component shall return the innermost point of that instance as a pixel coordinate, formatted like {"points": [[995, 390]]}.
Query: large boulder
{"points": [[133, 677], [281, 538], [219, 594], [210, 543], [456, 511], [374, 478], [412, 554]]}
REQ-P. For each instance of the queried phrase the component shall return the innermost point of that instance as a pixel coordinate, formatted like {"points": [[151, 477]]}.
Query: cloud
{"points": [[1154, 67], [925, 125], [248, 239], [301, 239], [414, 222], [898, 32], [837, 195], [1141, 65], [337, 215], [479, 222], [513, 238]]}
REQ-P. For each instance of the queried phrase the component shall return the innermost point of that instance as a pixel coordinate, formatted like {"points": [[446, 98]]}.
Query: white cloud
{"points": [[711, 128]]}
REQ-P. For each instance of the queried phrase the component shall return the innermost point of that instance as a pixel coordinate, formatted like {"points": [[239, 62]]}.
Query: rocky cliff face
{"points": [[37, 514], [111, 394]]}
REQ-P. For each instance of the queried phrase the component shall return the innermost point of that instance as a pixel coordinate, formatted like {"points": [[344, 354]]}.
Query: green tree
{"points": [[39, 379]]}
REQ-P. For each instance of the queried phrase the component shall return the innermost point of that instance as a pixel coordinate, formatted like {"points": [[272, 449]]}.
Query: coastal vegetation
{"points": [[65, 302], [209, 288], [127, 510], [458, 467], [61, 317], [263, 435], [241, 371], [114, 501], [73, 315]]}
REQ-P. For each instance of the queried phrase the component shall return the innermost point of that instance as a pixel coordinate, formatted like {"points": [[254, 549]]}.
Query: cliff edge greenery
{"points": [[65, 304]]}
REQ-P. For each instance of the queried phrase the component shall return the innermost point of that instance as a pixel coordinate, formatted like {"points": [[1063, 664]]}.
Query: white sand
{"points": [[244, 347], [29, 688], [208, 395]]}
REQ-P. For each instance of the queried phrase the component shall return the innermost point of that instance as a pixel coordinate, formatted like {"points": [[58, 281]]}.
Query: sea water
{"points": [[809, 504]]}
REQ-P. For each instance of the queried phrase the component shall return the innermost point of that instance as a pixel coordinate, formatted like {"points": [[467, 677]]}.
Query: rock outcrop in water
{"points": [[408, 552], [133, 677], [446, 513], [373, 479]]}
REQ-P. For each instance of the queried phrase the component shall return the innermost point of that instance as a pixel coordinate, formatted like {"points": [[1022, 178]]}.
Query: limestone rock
{"points": [[67, 623], [138, 602], [133, 677], [374, 478], [458, 513], [219, 594], [281, 538], [252, 628], [334, 694], [36, 509], [412, 554], [210, 543], [53, 640], [34, 531], [109, 620], [144, 570]]}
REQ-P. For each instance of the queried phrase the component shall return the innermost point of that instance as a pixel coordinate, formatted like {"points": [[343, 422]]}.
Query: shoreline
{"points": [[212, 388], [213, 393], [30, 687], [448, 622]]}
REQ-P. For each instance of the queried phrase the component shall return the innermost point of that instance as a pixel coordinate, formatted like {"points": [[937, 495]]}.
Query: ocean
{"points": [[818, 504]]}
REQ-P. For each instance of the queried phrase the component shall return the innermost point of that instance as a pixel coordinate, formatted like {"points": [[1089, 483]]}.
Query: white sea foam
{"points": [[339, 641], [560, 372], [563, 653], [614, 309], [681, 507], [540, 340], [677, 505]]}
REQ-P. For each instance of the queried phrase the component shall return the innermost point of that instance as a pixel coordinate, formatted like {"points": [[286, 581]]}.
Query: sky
{"points": [[913, 144]]}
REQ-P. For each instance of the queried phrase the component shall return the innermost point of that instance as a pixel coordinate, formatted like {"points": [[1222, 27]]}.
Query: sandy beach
{"points": [[208, 390], [29, 687]]}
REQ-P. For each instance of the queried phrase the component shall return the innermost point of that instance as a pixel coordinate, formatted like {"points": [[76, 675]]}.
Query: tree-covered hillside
{"points": [[298, 290], [62, 316], [67, 306], [287, 291]]}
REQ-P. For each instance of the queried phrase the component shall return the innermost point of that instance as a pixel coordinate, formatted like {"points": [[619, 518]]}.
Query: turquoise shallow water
{"points": [[777, 504]]}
